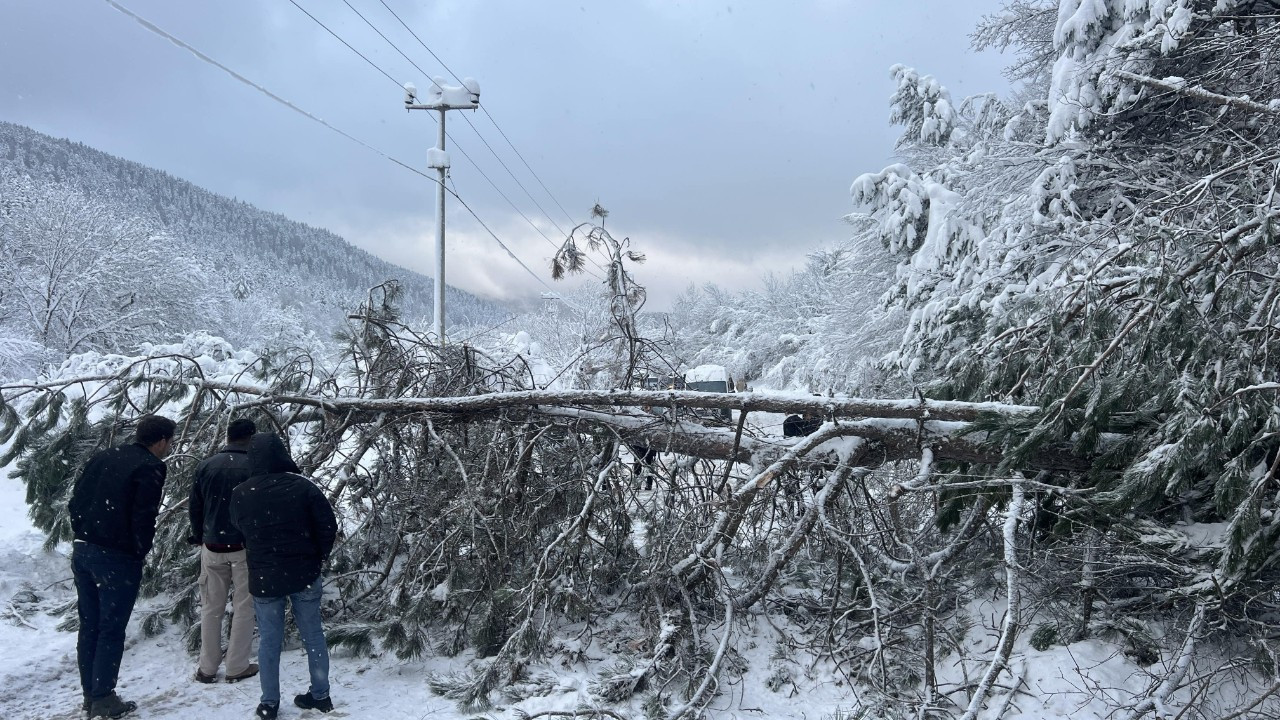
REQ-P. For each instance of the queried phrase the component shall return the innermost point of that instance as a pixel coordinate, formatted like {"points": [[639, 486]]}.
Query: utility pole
{"points": [[441, 97]]}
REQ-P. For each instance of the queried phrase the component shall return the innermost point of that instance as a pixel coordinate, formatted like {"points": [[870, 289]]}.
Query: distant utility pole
{"points": [[442, 97]]}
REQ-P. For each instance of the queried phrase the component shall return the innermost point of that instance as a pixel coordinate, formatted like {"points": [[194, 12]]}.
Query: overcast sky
{"points": [[721, 136]]}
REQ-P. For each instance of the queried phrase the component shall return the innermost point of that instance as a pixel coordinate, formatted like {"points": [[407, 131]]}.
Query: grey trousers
{"points": [[218, 573]]}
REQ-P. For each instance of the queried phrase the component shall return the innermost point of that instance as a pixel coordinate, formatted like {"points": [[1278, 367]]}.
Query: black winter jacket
{"points": [[209, 506], [116, 499], [288, 525], [800, 426]]}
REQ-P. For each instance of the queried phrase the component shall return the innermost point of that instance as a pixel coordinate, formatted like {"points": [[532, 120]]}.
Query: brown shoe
{"points": [[248, 673], [206, 679]]}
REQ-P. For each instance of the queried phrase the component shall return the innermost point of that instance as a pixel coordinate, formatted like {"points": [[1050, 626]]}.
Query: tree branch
{"points": [[1179, 87]]}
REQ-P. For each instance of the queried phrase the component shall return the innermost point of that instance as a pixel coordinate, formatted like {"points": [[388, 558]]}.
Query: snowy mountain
{"points": [[240, 267]]}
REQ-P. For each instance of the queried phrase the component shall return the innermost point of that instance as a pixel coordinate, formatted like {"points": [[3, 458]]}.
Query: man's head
{"points": [[268, 455], [155, 433], [240, 430]]}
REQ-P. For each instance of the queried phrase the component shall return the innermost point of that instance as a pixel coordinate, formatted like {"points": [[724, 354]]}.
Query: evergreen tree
{"points": [[1107, 249]]}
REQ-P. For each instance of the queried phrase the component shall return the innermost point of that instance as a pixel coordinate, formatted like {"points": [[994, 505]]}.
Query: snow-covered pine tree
{"points": [[1106, 246]]}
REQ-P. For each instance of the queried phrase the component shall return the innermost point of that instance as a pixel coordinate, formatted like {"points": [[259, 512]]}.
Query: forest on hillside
{"points": [[80, 230]]}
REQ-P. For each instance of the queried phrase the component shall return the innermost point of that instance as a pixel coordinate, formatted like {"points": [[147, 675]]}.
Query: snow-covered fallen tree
{"points": [[480, 515], [1088, 468]]}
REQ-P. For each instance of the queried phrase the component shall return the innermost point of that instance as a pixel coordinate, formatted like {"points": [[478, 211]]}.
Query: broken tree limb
{"points": [[896, 428], [1010, 628], [1180, 664], [914, 409], [728, 519], [893, 440], [783, 555]]}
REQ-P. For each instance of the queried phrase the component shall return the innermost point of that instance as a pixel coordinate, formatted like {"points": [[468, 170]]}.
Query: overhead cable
{"points": [[483, 109], [424, 73], [344, 42], [457, 146], [277, 98]]}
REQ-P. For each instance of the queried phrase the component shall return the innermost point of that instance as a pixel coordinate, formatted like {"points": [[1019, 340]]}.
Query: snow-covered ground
{"points": [[39, 680], [38, 677]]}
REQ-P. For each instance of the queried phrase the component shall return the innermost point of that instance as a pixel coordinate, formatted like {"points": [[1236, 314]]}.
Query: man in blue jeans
{"points": [[289, 530], [113, 511]]}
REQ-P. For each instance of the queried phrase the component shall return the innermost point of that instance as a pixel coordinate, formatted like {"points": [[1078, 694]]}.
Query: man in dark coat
{"points": [[113, 517], [289, 530], [222, 557], [800, 425]]}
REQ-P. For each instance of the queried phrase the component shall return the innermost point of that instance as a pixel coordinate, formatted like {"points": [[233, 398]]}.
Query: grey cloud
{"points": [[733, 128]]}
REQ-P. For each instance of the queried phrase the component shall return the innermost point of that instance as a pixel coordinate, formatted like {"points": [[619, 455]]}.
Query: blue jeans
{"points": [[106, 587], [306, 613]]}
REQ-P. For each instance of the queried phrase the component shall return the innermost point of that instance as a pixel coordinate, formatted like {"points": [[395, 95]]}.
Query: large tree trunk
{"points": [[898, 429]]}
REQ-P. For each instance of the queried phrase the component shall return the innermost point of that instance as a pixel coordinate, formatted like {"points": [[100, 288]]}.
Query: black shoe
{"points": [[266, 711], [306, 702], [206, 679], [112, 707]]}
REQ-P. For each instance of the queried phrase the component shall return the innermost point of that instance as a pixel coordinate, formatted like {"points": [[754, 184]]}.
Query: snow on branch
{"points": [[1009, 628], [898, 427], [1180, 664], [1180, 87], [913, 409]]}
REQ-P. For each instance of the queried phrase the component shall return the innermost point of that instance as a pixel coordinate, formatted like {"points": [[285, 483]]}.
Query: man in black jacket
{"points": [[801, 425], [113, 517], [289, 530], [222, 557]]}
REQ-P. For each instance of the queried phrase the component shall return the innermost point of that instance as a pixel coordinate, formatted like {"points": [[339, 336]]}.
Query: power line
{"points": [[512, 204], [420, 42], [513, 175], [457, 145], [486, 112], [374, 28], [554, 244], [504, 247], [344, 42], [277, 98], [509, 202], [545, 189], [424, 73], [176, 41]]}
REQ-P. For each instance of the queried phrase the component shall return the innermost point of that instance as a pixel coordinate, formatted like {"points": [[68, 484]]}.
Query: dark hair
{"points": [[240, 429], [154, 428]]}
